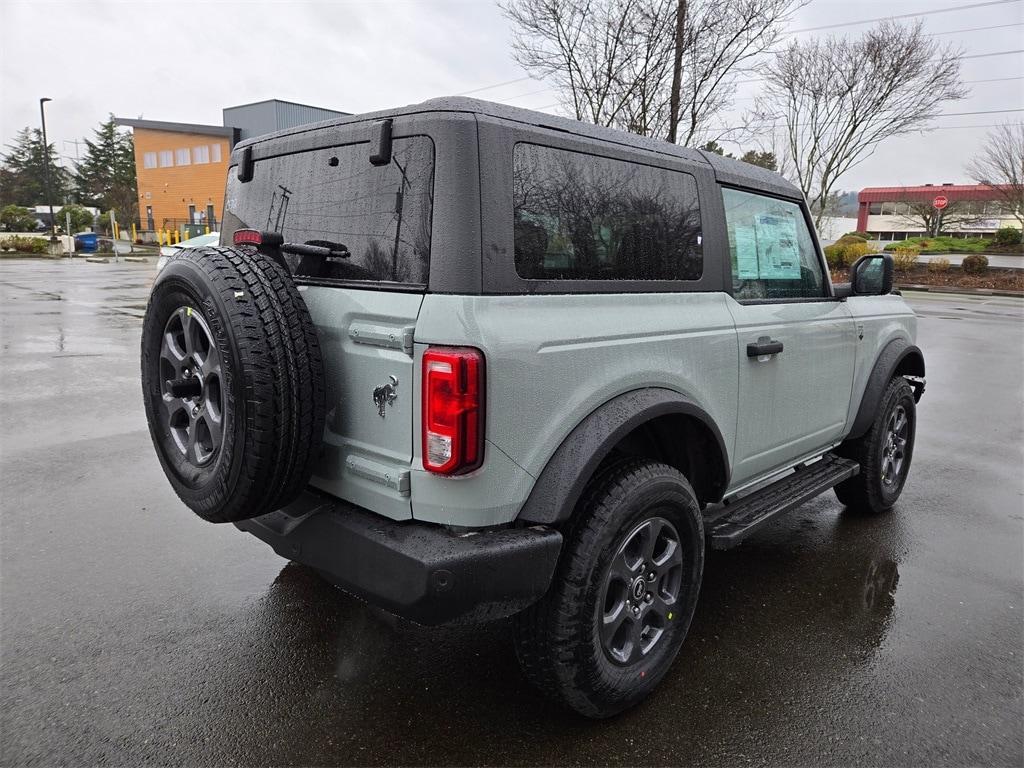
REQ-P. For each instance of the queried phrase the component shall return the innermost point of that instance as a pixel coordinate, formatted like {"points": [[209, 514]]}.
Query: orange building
{"points": [[181, 170]]}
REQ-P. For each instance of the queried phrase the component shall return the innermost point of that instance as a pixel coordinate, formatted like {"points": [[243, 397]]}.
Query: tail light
{"points": [[247, 237], [453, 414]]}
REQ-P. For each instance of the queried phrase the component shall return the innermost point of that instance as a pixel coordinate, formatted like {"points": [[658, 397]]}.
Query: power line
{"points": [[902, 16], [827, 26], [977, 29], [981, 112], [994, 80], [953, 127], [496, 85], [524, 95], [760, 79], [997, 53]]}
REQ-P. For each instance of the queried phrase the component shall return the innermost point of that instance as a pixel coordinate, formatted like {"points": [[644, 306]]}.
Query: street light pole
{"points": [[46, 167]]}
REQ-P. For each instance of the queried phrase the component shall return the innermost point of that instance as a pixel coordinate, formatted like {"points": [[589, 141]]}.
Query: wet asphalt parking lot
{"points": [[132, 633]]}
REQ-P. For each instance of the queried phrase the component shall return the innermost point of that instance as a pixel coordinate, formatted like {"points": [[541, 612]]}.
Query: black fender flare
{"points": [[898, 357], [562, 481]]}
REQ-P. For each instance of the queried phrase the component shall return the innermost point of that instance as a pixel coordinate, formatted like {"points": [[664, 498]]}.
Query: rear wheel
{"points": [[883, 452], [624, 594], [233, 382]]}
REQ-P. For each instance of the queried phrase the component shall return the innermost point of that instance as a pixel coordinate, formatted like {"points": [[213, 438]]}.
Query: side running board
{"points": [[742, 518]]}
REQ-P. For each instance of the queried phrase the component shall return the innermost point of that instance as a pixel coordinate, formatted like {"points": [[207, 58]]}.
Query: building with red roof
{"points": [[972, 210]]}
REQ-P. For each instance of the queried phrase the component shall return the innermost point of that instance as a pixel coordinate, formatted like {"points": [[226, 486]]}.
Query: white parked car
{"points": [[166, 251]]}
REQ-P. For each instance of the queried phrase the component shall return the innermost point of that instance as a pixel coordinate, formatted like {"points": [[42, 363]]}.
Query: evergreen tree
{"points": [[106, 174], [763, 159], [714, 146], [23, 172]]}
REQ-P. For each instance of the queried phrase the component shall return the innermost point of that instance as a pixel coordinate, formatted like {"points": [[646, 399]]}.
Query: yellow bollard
{"points": [[207, 229], [135, 233], [177, 236], [117, 231]]}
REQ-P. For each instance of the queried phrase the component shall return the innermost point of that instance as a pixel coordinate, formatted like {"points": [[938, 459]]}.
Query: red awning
{"points": [[927, 193]]}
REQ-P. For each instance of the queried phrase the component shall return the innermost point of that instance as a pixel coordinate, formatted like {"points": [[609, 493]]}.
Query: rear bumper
{"points": [[420, 571]]}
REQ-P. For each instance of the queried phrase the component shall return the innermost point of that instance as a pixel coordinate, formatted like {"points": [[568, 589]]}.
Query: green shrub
{"points": [[834, 255], [1007, 236], [844, 251], [861, 235], [854, 251], [850, 239], [939, 265], [14, 218], [975, 264], [25, 244], [80, 217], [943, 244], [904, 259]]}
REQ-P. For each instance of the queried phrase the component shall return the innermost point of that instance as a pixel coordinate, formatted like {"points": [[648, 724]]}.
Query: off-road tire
{"points": [[271, 381], [867, 491], [557, 639]]}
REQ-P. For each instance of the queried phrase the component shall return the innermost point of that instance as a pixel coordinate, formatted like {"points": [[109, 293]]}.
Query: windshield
{"points": [[335, 197]]}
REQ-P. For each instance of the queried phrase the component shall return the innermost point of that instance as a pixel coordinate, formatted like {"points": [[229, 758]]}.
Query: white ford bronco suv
{"points": [[468, 361]]}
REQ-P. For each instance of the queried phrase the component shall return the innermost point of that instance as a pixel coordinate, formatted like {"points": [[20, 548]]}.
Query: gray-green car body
{"points": [[582, 358]]}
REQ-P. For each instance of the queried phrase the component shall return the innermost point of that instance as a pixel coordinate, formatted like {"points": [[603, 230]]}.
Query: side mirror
{"points": [[872, 275]]}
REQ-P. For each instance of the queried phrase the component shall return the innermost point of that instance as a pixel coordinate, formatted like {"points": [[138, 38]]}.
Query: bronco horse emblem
{"points": [[385, 395]]}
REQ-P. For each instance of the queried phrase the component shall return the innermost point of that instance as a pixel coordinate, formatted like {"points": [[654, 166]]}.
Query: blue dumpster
{"points": [[86, 241]]}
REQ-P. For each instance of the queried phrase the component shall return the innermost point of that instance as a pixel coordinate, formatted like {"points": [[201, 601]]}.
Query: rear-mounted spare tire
{"points": [[232, 377]]}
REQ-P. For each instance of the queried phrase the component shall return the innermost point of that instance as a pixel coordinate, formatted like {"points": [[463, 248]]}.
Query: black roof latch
{"points": [[381, 142]]}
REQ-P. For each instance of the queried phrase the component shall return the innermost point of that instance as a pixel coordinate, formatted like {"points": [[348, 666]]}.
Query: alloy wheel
{"points": [[191, 389], [894, 449], [640, 591]]}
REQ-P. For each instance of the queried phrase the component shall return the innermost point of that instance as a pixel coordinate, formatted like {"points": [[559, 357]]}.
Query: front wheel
{"points": [[624, 594], [884, 452]]}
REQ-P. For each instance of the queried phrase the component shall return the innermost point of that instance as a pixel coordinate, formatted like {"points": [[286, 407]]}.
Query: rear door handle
{"points": [[764, 346]]}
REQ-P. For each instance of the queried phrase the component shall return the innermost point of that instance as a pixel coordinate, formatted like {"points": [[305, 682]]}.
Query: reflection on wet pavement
{"points": [[133, 633]]}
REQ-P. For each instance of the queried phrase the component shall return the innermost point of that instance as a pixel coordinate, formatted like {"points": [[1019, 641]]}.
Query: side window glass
{"points": [[582, 217], [771, 249]]}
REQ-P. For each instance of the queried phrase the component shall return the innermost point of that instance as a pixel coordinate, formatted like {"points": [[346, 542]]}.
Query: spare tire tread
{"points": [[305, 393], [277, 360]]}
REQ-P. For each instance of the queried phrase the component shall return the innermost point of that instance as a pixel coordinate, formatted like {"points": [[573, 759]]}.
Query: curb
{"points": [[97, 260], [964, 291]]}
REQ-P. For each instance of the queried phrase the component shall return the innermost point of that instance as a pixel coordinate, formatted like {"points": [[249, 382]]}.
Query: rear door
{"points": [[324, 191], [796, 344]]}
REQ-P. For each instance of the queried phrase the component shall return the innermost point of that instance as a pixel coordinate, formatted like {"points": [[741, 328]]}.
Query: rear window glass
{"points": [[381, 214], [582, 217]]}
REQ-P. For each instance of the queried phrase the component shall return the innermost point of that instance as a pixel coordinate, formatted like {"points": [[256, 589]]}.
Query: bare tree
{"points": [[721, 40], [935, 221], [1000, 166], [838, 98], [590, 49], [653, 67]]}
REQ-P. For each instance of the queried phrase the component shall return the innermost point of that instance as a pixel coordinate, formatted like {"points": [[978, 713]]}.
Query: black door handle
{"points": [[764, 346]]}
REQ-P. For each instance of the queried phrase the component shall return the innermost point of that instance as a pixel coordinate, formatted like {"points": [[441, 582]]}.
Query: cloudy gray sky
{"points": [[184, 61]]}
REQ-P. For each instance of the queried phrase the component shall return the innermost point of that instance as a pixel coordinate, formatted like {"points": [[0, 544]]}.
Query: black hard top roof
{"points": [[727, 170]]}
